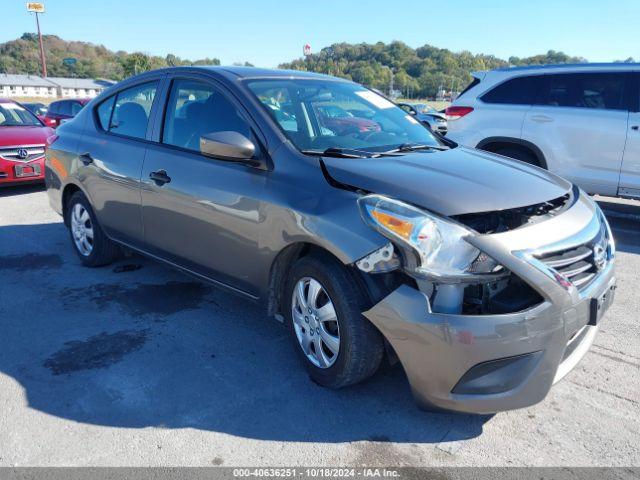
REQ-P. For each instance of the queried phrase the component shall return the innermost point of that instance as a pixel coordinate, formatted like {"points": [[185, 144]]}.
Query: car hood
{"points": [[19, 136], [451, 182]]}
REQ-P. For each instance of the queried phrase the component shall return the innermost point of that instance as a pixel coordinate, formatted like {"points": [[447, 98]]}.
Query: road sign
{"points": [[35, 7], [306, 50], [70, 62]]}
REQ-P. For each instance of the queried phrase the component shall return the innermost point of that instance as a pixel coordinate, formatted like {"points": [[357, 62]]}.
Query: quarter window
{"points": [[197, 108], [104, 112], [517, 91]]}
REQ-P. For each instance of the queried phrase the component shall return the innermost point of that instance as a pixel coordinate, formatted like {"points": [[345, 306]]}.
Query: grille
{"points": [[580, 264], [13, 153]]}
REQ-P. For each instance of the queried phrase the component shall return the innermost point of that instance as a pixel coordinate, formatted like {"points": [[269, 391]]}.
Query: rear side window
{"points": [[197, 108], [127, 112], [517, 91], [585, 90], [64, 108]]}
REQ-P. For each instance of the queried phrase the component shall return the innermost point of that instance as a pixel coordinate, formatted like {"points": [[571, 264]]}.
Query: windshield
{"points": [[14, 115], [423, 108], [317, 115]]}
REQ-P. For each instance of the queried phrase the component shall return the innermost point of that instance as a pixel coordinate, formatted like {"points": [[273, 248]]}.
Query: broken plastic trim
{"points": [[381, 260]]}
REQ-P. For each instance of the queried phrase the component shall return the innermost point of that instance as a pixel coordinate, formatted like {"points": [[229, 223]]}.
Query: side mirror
{"points": [[227, 145]]}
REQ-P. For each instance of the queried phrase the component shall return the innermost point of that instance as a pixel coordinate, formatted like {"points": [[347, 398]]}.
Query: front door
{"points": [[199, 212]]}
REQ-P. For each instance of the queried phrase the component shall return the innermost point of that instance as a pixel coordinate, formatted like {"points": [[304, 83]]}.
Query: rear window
{"points": [[517, 91]]}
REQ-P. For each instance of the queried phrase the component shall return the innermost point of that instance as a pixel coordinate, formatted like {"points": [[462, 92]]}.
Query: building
{"points": [[26, 86], [79, 87], [50, 87]]}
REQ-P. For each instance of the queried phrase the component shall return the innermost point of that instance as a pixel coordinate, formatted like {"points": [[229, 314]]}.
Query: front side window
{"points": [[585, 90], [131, 110], [320, 114], [195, 109]]}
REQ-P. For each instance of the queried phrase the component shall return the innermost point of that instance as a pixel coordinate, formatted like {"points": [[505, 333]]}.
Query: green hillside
{"points": [[93, 61], [417, 72]]}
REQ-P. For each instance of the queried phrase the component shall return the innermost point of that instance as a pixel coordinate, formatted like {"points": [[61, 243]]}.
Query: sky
{"points": [[269, 32]]}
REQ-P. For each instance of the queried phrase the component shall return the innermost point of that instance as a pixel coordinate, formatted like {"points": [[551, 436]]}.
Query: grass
{"points": [[44, 100]]}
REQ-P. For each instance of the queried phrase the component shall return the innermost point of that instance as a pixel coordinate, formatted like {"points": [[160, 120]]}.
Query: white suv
{"points": [[579, 121]]}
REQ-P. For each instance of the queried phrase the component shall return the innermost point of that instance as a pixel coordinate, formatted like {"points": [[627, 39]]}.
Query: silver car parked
{"points": [[485, 278]]}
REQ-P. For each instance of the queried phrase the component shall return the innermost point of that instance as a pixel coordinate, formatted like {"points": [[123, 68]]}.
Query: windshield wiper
{"points": [[348, 153], [412, 147]]}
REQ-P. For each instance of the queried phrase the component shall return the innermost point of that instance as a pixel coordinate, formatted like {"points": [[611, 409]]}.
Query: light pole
{"points": [[37, 8]]}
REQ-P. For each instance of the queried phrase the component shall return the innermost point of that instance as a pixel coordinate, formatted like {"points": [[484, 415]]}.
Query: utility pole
{"points": [[37, 8], [43, 60]]}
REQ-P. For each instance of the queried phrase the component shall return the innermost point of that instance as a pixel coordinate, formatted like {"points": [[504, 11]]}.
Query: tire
{"points": [[103, 250], [519, 154], [361, 346]]}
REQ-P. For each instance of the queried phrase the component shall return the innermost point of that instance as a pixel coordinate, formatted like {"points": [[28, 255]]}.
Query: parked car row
{"points": [[25, 130], [367, 234]]}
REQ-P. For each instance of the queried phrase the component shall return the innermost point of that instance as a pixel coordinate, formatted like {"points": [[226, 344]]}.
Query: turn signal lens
{"points": [[398, 226]]}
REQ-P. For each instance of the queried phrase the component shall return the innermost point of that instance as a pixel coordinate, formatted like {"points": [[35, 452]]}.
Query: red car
{"points": [[23, 139], [342, 122], [63, 110]]}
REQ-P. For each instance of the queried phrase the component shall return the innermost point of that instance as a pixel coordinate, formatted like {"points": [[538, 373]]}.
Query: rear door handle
{"points": [[635, 127], [541, 118], [86, 158], [160, 177]]}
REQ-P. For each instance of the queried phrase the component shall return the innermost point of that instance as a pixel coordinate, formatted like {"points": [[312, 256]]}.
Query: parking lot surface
{"points": [[136, 364]]}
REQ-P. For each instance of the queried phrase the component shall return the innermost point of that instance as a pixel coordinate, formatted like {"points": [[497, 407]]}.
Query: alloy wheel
{"points": [[315, 322], [82, 229]]}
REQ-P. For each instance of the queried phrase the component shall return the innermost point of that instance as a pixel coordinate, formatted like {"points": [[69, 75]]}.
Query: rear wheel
{"points": [[90, 243], [337, 345]]}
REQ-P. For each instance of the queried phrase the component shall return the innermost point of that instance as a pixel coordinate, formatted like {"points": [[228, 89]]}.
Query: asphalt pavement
{"points": [[136, 364]]}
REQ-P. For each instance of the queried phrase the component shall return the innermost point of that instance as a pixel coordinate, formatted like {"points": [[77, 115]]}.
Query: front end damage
{"points": [[499, 342]]}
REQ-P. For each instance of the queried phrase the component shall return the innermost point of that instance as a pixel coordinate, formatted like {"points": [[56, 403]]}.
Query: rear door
{"points": [[203, 213], [579, 122], [111, 155], [500, 111], [630, 172]]}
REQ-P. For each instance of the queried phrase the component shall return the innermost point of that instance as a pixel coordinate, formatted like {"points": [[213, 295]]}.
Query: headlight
{"points": [[434, 247]]}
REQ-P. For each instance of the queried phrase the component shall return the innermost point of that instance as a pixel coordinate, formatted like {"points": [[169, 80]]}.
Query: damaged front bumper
{"points": [[490, 363]]}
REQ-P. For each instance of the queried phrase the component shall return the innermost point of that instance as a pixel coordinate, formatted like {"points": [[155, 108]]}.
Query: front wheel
{"points": [[337, 345]]}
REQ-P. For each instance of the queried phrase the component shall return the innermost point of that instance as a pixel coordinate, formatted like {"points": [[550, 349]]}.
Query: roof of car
{"points": [[6, 100], [559, 66], [255, 72]]}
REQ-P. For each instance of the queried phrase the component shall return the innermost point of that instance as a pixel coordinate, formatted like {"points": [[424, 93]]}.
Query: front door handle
{"points": [[541, 119], [86, 158], [635, 127], [160, 177]]}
